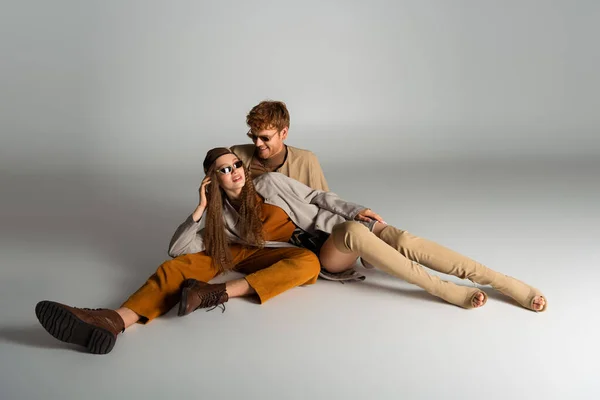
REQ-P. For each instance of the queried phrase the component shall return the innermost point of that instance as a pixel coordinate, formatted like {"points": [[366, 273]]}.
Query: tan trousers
{"points": [[271, 271], [401, 254]]}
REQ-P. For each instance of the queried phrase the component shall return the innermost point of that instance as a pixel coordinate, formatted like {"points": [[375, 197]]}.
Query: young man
{"points": [[269, 123]]}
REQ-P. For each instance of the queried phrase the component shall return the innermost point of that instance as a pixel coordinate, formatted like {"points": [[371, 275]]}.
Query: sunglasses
{"points": [[255, 137], [228, 168]]}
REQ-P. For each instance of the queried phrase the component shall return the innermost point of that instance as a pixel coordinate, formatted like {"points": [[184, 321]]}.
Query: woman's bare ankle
{"points": [[128, 315]]}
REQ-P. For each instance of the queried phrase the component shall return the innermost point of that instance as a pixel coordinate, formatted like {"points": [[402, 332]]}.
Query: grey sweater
{"points": [[310, 210]]}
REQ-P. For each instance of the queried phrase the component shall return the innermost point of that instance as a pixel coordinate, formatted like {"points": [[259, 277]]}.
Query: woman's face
{"points": [[230, 173]]}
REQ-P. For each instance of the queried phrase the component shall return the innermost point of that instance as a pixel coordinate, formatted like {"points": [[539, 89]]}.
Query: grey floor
{"points": [[90, 239]]}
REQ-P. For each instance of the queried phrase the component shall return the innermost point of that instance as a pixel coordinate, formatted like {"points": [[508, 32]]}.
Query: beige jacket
{"points": [[301, 165], [310, 210]]}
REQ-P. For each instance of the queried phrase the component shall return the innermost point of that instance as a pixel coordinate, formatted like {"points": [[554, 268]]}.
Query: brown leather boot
{"points": [[95, 329], [196, 294]]}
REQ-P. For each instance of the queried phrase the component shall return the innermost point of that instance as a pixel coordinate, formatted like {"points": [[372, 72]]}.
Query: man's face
{"points": [[268, 142]]}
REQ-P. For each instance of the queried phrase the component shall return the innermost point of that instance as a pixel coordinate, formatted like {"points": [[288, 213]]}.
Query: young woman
{"points": [[242, 233]]}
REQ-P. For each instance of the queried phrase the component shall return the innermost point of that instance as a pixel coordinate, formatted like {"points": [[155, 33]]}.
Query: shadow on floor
{"points": [[32, 336]]}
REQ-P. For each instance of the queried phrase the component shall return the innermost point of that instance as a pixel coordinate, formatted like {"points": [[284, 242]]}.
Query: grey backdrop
{"points": [[473, 123], [140, 84]]}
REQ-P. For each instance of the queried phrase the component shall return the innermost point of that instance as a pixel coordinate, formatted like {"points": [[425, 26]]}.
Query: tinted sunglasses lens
{"points": [[238, 164], [225, 170]]}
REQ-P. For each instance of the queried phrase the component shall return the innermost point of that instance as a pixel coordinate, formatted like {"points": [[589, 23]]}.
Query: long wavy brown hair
{"points": [[251, 229]]}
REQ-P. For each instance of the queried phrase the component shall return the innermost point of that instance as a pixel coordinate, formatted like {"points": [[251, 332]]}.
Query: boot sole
{"points": [[66, 327], [183, 302]]}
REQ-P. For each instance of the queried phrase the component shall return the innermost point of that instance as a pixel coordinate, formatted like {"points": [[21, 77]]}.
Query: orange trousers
{"points": [[270, 271]]}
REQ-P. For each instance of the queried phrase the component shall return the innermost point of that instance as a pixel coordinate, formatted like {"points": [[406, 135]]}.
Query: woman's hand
{"points": [[203, 202], [202, 191], [367, 215]]}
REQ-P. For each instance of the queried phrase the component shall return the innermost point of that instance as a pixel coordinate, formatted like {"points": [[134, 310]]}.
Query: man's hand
{"points": [[367, 215]]}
